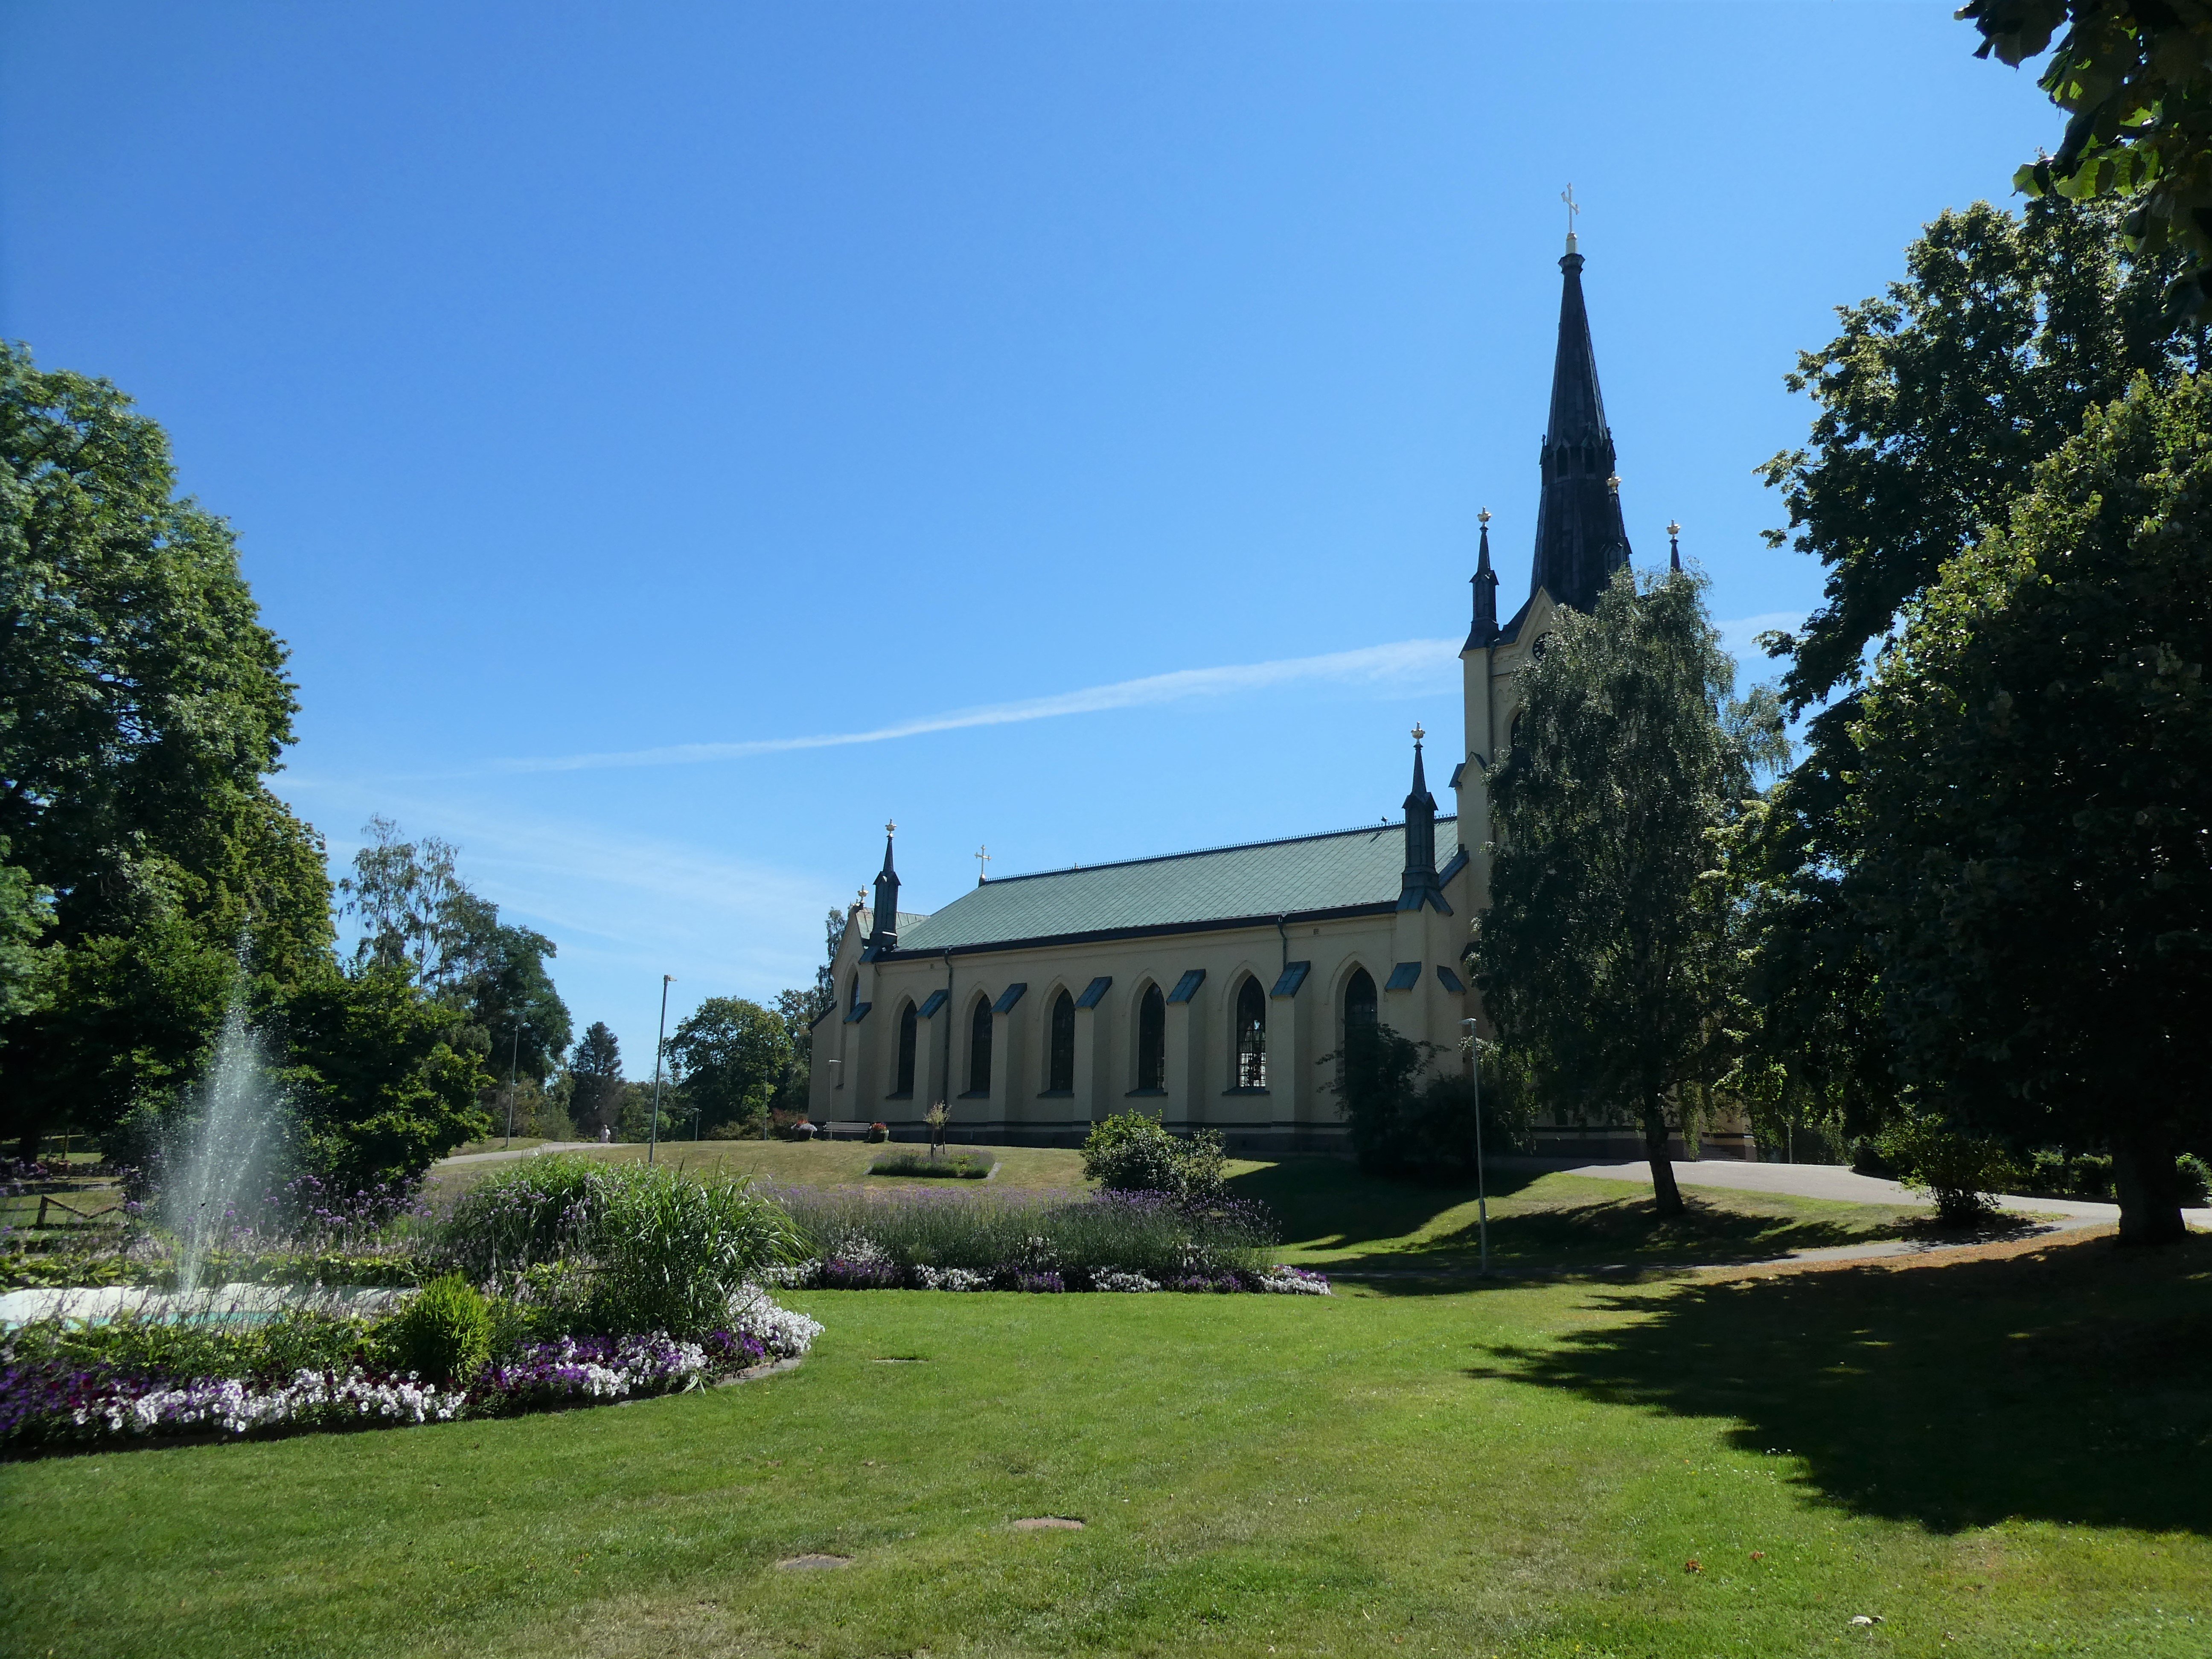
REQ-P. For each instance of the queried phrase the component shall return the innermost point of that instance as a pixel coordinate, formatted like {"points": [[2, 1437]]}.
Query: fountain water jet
{"points": [[225, 1156]]}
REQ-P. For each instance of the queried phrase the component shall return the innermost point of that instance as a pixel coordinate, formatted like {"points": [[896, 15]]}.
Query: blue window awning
{"points": [[1187, 987], [1404, 977], [929, 1008], [1293, 975], [1009, 997], [1450, 980], [1092, 992], [859, 1012]]}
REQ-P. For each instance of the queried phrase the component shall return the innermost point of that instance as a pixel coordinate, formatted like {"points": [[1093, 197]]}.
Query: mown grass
{"points": [[806, 1163], [1339, 1220], [1996, 1458]]}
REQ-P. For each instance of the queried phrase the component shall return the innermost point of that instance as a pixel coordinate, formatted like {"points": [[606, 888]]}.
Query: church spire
{"points": [[1418, 885], [883, 936], [1580, 538], [1485, 631], [1674, 546]]}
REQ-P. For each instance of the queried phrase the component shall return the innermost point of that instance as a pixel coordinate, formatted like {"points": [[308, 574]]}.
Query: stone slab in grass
{"points": [[813, 1563], [1048, 1523]]}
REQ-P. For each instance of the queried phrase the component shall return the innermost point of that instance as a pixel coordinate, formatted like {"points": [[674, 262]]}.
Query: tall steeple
{"points": [[1485, 631], [883, 936], [1419, 885], [1580, 538]]}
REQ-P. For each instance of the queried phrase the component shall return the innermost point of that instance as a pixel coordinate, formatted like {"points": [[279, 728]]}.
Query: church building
{"points": [[1206, 987]]}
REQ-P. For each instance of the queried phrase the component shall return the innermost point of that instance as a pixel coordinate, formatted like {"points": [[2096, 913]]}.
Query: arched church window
{"points": [[1359, 999], [1059, 1066], [907, 1021], [979, 1048], [1251, 1034], [1152, 1039]]}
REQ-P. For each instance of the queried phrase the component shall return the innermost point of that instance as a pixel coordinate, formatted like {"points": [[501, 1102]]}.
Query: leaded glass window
{"points": [[979, 1048], [1060, 1069], [1152, 1039], [1251, 1034], [907, 1021]]}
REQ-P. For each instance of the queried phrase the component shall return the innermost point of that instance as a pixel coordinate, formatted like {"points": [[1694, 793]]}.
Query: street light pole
{"points": [[513, 1054], [653, 1135], [1481, 1188]]}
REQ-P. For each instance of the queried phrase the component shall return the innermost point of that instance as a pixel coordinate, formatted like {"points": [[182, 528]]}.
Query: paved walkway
{"points": [[521, 1152], [1834, 1181]]}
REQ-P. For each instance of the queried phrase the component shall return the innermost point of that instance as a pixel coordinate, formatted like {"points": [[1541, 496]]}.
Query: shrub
{"points": [[444, 1332], [2196, 1179], [1130, 1152], [909, 1161], [1406, 1124], [1959, 1169]]}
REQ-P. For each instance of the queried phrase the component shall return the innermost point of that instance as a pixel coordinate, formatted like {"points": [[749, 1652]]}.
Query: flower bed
{"points": [[867, 1269], [52, 1401]]}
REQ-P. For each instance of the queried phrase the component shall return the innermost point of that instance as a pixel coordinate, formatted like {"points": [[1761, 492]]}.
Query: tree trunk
{"points": [[2148, 1186], [1664, 1189]]}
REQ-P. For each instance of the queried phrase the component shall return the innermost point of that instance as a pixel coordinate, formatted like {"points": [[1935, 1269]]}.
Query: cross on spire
{"points": [[1573, 207], [982, 857]]}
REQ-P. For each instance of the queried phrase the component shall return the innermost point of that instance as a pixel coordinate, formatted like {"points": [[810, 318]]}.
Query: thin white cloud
{"points": [[1405, 660], [1738, 638]]}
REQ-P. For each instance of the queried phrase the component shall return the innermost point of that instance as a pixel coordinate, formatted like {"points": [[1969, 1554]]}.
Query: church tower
{"points": [[1581, 541]]}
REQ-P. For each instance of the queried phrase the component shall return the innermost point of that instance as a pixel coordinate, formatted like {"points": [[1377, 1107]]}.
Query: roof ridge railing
{"points": [[1398, 824]]}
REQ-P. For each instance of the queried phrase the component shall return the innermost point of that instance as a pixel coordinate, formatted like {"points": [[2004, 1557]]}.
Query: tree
{"points": [[1936, 402], [800, 1010], [733, 1055], [1604, 958], [596, 1071], [419, 918], [141, 703], [2033, 808], [2136, 77], [26, 910]]}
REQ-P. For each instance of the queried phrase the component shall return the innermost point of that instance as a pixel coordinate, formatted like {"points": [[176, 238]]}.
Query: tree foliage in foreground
{"points": [[2135, 78], [1605, 958], [2033, 806]]}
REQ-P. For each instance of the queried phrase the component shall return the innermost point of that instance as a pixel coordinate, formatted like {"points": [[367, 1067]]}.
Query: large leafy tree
{"points": [[419, 918], [2033, 808], [733, 1055], [2135, 78], [141, 703], [1934, 403], [1604, 958]]}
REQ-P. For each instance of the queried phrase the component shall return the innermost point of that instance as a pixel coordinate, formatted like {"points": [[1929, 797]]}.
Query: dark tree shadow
{"points": [[2070, 1384], [1330, 1203]]}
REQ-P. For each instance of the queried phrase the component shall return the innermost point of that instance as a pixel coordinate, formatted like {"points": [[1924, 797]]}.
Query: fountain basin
{"points": [[222, 1304]]}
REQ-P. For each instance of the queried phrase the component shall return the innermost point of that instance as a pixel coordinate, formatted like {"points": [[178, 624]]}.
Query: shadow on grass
{"points": [[1586, 1235], [2070, 1384], [1329, 1204]]}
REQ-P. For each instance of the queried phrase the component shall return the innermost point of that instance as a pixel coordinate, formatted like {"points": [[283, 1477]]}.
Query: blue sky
{"points": [[1078, 411]]}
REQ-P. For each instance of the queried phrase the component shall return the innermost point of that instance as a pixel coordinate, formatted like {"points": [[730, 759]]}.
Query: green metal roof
{"points": [[1336, 871]]}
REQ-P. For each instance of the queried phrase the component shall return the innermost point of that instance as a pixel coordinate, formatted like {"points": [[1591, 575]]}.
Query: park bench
{"points": [[832, 1130]]}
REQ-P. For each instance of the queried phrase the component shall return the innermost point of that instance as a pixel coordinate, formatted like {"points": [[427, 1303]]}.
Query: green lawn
{"points": [[1996, 1457], [812, 1163]]}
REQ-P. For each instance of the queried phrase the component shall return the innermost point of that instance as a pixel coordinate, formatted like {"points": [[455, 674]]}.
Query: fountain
{"points": [[226, 1156]]}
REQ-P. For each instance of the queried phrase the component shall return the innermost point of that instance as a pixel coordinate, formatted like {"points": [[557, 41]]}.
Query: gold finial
{"points": [[1483, 517], [860, 899], [890, 829], [1674, 528], [1418, 734], [1573, 207], [1613, 483]]}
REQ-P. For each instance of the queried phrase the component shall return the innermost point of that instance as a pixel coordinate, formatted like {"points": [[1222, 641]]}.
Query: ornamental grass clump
{"points": [[614, 1249], [443, 1333]]}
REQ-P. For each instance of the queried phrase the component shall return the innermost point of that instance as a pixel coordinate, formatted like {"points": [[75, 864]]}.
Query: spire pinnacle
{"points": [[1674, 546], [1418, 886], [1580, 537], [884, 935], [1485, 631]]}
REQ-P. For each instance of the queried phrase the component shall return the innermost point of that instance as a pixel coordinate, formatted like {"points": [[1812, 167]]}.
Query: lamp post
{"points": [[513, 1055], [1481, 1189], [660, 1043]]}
